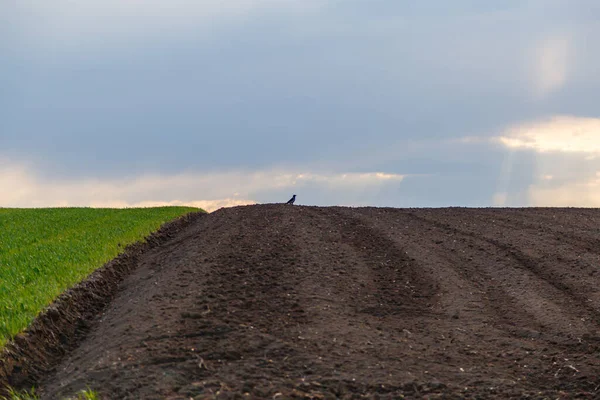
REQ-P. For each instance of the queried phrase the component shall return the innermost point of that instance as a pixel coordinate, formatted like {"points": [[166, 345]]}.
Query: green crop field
{"points": [[43, 252]]}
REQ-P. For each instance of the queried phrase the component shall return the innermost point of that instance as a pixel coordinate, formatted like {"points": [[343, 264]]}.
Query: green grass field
{"points": [[43, 252]]}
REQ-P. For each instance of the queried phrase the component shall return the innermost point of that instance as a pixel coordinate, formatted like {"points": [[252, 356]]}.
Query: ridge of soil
{"points": [[58, 329], [281, 301]]}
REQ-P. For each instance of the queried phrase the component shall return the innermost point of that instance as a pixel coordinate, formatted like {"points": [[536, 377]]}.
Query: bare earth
{"points": [[278, 301]]}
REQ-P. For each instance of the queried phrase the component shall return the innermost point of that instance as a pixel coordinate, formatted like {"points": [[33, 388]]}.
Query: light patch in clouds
{"points": [[551, 65], [206, 205], [566, 161], [346, 180], [572, 194], [566, 181], [19, 187], [499, 199], [564, 134]]}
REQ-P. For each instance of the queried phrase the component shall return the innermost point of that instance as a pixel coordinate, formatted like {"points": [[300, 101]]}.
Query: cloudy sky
{"points": [[397, 103]]}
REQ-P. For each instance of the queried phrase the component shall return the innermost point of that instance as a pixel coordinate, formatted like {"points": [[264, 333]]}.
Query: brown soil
{"points": [[277, 301]]}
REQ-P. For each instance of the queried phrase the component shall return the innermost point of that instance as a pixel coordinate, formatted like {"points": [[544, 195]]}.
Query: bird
{"points": [[292, 200]]}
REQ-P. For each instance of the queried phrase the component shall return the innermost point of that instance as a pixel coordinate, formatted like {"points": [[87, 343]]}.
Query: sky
{"points": [[212, 103]]}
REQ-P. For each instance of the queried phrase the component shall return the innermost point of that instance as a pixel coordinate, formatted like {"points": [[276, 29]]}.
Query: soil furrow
{"points": [[557, 274]]}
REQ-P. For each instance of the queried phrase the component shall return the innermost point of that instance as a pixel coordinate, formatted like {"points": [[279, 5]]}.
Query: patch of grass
{"points": [[45, 251], [87, 394], [20, 394]]}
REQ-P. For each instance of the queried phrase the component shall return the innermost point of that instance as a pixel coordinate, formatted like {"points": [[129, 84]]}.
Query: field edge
{"points": [[64, 323]]}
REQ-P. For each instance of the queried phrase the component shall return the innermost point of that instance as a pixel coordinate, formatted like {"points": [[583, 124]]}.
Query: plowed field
{"points": [[278, 301]]}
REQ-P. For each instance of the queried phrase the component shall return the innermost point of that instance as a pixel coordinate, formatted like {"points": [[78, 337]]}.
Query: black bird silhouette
{"points": [[292, 200]]}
